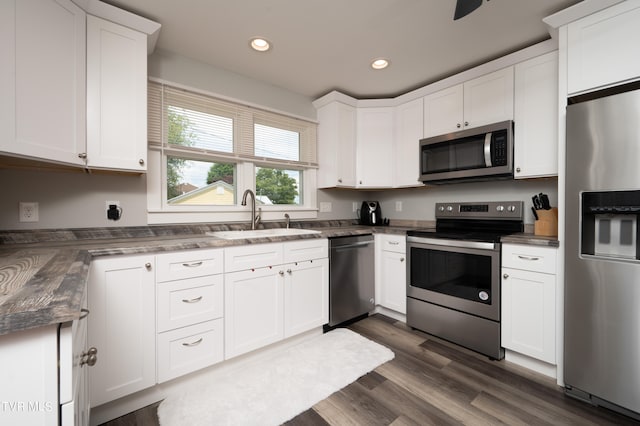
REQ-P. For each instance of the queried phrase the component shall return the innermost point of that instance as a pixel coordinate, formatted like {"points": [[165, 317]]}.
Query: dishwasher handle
{"points": [[352, 245]]}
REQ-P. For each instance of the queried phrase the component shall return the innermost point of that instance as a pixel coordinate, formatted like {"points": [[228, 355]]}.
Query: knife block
{"points": [[547, 223]]}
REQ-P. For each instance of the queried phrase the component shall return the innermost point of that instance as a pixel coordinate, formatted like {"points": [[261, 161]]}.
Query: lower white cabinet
{"points": [[122, 326], [391, 272], [306, 295], [529, 301]]}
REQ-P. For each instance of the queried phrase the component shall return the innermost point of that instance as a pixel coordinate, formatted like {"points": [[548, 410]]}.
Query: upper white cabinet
{"points": [[116, 96], [336, 145], [42, 79], [483, 100], [374, 147], [601, 46], [408, 131], [536, 117]]}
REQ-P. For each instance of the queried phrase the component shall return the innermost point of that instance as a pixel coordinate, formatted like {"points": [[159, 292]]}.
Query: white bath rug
{"points": [[272, 390]]}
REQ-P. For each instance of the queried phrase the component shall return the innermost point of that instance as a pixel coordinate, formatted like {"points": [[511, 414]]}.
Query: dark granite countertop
{"points": [[43, 273]]}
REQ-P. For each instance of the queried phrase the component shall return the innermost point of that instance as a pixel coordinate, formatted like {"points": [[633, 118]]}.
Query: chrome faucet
{"points": [[286, 216], [255, 219]]}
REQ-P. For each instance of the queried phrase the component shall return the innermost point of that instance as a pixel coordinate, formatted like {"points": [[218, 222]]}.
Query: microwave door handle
{"points": [[487, 150]]}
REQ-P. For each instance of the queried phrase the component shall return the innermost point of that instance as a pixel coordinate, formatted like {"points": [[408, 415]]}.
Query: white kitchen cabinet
{"points": [[374, 147], [306, 295], [336, 145], [391, 272], [536, 117], [42, 80], [408, 132], [116, 96], [265, 303], [483, 100], [122, 326], [528, 301], [601, 48]]}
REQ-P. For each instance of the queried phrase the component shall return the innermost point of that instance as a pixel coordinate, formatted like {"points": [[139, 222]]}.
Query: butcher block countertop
{"points": [[43, 273]]}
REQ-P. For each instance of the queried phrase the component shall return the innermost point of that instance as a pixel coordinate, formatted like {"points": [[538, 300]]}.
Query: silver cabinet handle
{"points": [[84, 313], [192, 265], [458, 125], [402, 259], [82, 155], [505, 276], [289, 271], [147, 265], [393, 243], [517, 169], [141, 162], [196, 343], [89, 358], [528, 258], [281, 273], [466, 123], [194, 300]]}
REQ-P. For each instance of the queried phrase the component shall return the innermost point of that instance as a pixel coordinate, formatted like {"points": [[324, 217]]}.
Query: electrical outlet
{"points": [[398, 206], [355, 206], [325, 207], [29, 212]]}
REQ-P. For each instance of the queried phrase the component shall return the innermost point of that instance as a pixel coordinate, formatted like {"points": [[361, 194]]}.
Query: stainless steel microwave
{"points": [[481, 153]]}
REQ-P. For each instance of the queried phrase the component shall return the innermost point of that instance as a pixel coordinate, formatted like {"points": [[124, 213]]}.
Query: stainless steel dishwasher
{"points": [[351, 277]]}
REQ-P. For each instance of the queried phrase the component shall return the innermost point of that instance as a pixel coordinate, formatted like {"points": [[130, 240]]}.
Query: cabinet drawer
{"points": [[298, 251], [241, 258], [529, 258], [188, 349], [395, 243], [186, 302], [188, 264]]}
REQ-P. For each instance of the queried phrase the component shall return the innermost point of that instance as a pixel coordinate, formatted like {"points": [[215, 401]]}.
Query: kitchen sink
{"points": [[257, 233]]}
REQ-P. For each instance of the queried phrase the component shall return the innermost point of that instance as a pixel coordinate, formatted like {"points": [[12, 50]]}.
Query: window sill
{"points": [[159, 217]]}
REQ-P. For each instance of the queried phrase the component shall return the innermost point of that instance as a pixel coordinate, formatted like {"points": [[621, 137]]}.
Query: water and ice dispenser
{"points": [[610, 224]]}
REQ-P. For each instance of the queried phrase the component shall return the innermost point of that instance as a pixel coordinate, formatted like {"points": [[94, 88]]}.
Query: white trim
{"points": [[575, 12]]}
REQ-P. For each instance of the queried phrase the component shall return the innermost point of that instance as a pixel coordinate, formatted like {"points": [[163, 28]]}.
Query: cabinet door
{"points": [[122, 327], [528, 313], [536, 117], [393, 286], [253, 309], [601, 48], [443, 111], [336, 145], [409, 130], [42, 74], [489, 99], [306, 296], [374, 147], [116, 96]]}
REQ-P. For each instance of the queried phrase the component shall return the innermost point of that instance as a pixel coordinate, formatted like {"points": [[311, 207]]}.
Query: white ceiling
{"points": [[327, 45]]}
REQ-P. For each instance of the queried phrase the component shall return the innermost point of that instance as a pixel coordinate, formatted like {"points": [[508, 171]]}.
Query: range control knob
{"points": [[511, 208], [441, 208], [449, 208], [500, 208]]}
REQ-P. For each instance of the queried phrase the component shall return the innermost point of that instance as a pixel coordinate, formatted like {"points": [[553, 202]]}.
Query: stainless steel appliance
{"points": [[351, 278], [370, 213], [453, 273], [602, 261], [481, 153]]}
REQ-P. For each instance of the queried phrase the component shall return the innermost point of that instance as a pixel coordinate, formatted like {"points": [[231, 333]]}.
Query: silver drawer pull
{"points": [[528, 257], [394, 243], [196, 343], [192, 265], [195, 300]]}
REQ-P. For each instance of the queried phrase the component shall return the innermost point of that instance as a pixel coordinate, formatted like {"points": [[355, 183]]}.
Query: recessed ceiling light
{"points": [[379, 64], [260, 44]]}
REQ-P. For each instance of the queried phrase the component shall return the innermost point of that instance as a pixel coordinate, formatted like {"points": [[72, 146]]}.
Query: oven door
{"points": [[460, 275]]}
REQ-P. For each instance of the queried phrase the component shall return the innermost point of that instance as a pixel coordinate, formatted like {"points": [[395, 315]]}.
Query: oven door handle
{"points": [[453, 243], [487, 150]]}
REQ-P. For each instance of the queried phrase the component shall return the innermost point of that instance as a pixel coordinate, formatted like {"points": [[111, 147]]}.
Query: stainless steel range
{"points": [[453, 273]]}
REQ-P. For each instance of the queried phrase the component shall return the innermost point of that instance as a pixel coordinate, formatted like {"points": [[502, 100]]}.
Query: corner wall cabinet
{"points": [[374, 147], [600, 48], [122, 326], [391, 272], [529, 301], [536, 117], [337, 146]]}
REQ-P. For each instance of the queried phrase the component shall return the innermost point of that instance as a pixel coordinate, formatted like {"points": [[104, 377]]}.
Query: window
{"points": [[210, 150]]}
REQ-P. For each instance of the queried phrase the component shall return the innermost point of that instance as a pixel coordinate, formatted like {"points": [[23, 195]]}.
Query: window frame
{"points": [[159, 211]]}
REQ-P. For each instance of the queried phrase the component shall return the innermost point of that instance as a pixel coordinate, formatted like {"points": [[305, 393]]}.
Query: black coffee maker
{"points": [[370, 213]]}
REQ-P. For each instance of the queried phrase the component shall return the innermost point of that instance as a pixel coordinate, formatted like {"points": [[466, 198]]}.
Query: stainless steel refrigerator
{"points": [[602, 262]]}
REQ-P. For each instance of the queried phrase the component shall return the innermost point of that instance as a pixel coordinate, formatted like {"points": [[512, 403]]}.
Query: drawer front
{"points": [[394, 243], [186, 302], [242, 258], [529, 258], [189, 264], [298, 251], [188, 349]]}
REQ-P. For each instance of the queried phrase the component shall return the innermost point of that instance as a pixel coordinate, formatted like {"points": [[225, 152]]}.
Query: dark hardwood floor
{"points": [[433, 382]]}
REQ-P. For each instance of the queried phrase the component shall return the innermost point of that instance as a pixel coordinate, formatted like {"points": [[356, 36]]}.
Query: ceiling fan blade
{"points": [[465, 7]]}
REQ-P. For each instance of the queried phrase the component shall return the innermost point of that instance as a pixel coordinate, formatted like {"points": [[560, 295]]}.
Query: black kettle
{"points": [[370, 213]]}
